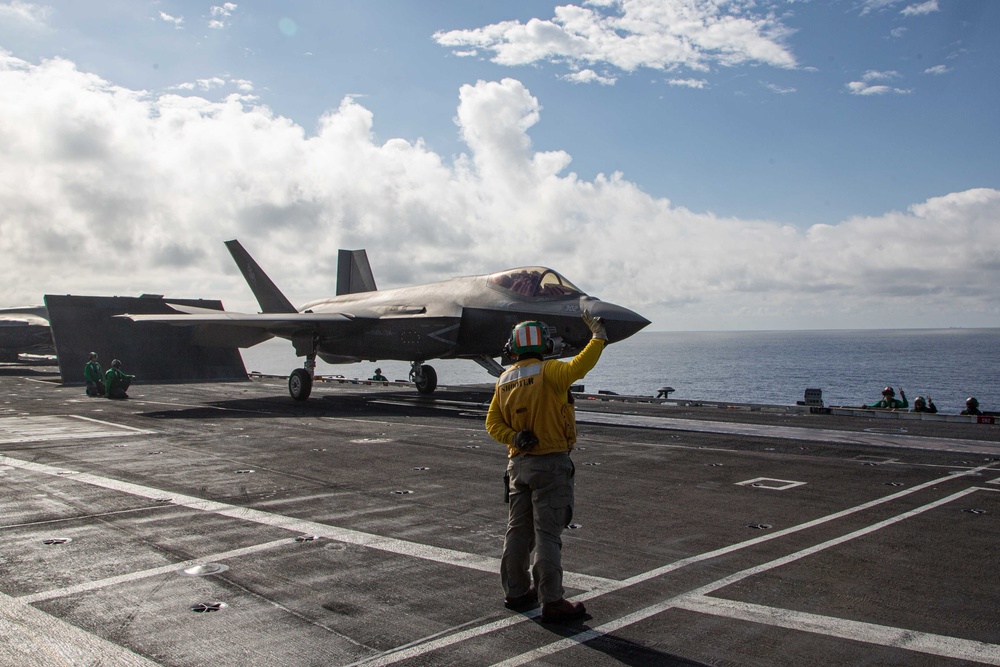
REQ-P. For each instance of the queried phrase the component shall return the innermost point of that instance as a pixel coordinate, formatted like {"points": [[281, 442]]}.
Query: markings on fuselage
{"points": [[439, 335]]}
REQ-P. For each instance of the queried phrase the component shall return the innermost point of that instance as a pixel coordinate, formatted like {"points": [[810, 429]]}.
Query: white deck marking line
{"points": [[676, 565], [113, 425], [430, 646], [32, 637], [31, 598], [302, 526], [947, 646], [870, 633], [16, 430], [433, 553], [142, 401], [783, 432]]}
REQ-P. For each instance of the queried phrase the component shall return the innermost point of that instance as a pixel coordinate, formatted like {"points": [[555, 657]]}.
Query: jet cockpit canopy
{"points": [[535, 282]]}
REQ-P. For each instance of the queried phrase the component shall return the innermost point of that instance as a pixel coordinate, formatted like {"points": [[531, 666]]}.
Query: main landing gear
{"points": [[424, 377], [300, 382]]}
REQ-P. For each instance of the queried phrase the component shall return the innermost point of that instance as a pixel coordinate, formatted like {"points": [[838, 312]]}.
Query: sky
{"points": [[710, 164]]}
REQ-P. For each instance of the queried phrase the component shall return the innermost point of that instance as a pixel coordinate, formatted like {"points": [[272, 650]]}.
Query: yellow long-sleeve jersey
{"points": [[534, 394]]}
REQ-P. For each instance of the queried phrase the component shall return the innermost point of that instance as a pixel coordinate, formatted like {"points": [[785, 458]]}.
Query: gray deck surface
{"points": [[224, 524]]}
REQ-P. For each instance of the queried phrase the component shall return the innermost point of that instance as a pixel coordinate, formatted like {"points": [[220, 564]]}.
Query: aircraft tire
{"points": [[429, 382], [300, 384]]}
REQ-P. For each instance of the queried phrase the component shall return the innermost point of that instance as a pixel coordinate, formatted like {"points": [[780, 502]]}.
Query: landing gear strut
{"points": [[424, 377], [300, 382]]}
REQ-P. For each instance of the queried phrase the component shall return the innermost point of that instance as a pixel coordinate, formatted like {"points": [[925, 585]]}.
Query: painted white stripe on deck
{"points": [[60, 427], [696, 600], [153, 572], [32, 637], [423, 647], [787, 432], [303, 526], [883, 635]]}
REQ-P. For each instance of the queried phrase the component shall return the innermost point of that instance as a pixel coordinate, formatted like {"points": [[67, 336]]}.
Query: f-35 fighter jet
{"points": [[469, 318]]}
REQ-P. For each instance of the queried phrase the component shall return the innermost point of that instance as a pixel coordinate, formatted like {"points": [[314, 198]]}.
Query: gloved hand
{"points": [[596, 325], [525, 440]]}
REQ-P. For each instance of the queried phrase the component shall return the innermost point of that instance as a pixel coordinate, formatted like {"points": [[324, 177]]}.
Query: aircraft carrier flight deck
{"points": [[226, 524]]}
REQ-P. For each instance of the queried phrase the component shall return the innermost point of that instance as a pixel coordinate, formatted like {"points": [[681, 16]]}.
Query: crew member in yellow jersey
{"points": [[532, 413]]}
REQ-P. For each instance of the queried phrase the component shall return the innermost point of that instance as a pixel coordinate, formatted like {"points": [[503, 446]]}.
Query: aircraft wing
{"points": [[233, 329]]}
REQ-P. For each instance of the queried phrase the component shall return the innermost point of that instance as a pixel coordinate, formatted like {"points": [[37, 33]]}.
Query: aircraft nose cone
{"points": [[620, 322]]}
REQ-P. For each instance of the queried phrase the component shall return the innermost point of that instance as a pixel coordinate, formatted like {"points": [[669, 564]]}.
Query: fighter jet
{"points": [[467, 318], [24, 330]]}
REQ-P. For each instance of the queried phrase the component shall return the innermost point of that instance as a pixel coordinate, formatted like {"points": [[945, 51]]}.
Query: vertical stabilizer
{"points": [[268, 295], [354, 274]]}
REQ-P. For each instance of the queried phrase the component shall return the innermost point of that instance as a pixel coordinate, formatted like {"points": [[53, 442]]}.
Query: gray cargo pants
{"points": [[541, 505]]}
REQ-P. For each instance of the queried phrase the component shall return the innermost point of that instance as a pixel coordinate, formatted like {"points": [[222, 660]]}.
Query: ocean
{"points": [[774, 367]]}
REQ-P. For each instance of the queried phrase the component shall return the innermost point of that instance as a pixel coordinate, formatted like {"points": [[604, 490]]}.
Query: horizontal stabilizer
{"points": [[354, 273], [151, 352]]}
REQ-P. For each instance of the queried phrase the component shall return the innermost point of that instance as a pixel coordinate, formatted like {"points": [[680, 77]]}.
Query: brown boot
{"points": [[522, 602], [562, 610]]}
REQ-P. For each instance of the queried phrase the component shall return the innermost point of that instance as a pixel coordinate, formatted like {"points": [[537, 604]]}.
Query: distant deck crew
{"points": [[889, 400], [378, 377], [971, 406], [921, 405], [532, 413], [93, 374], [117, 381]]}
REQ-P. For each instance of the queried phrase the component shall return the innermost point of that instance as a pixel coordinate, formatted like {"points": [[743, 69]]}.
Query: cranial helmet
{"points": [[93, 355], [919, 400], [888, 390], [529, 337], [116, 364], [972, 402]]}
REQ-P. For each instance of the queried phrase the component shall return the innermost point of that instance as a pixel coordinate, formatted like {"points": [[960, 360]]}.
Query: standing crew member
{"points": [[94, 376], [532, 413]]}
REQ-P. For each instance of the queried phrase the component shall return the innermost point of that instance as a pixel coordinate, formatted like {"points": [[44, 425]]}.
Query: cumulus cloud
{"points": [[775, 88], [177, 21], [589, 76], [629, 34], [94, 177], [921, 9], [220, 15], [688, 83], [25, 15], [871, 84]]}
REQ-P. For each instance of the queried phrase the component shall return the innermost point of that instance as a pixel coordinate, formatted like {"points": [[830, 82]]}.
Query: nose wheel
{"points": [[424, 377]]}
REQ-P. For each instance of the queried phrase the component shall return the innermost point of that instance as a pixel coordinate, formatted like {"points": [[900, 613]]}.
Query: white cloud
{"points": [[220, 14], [688, 83], [921, 9], [938, 69], [589, 76], [629, 34], [88, 168], [177, 21], [775, 88], [867, 85], [25, 15], [868, 6]]}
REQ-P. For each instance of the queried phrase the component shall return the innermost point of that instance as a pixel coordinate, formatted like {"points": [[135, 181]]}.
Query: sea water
{"points": [[772, 367]]}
